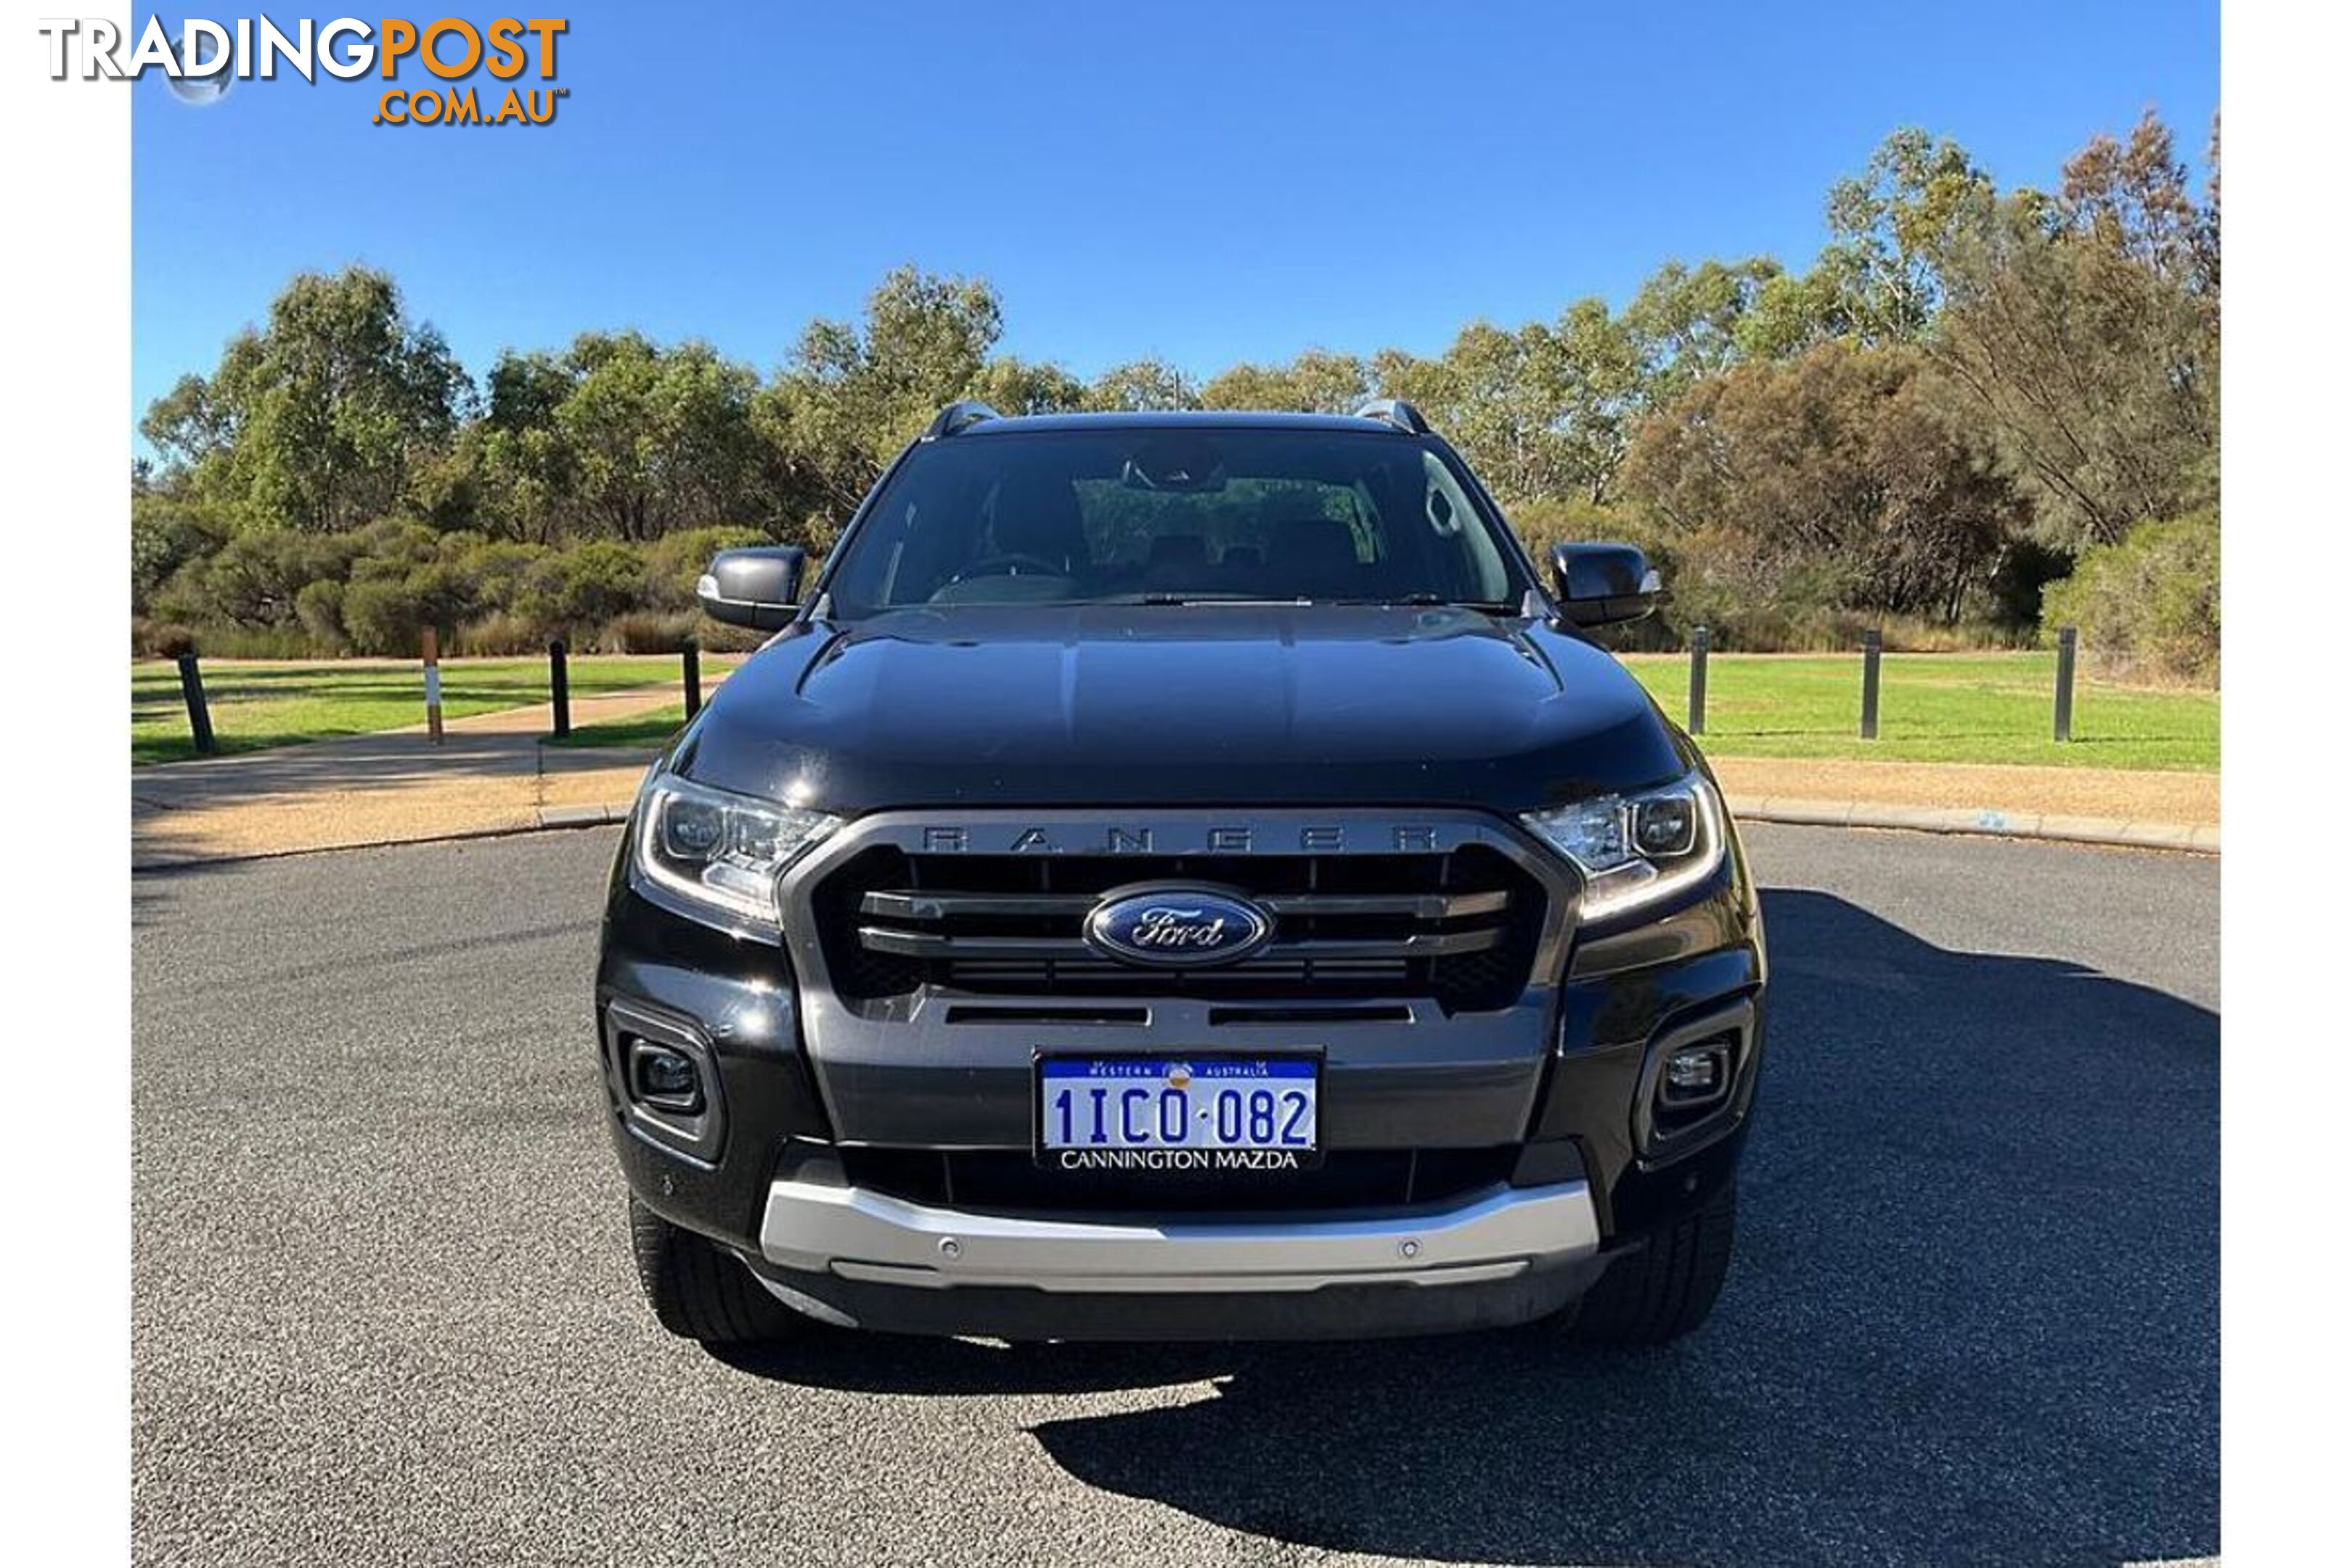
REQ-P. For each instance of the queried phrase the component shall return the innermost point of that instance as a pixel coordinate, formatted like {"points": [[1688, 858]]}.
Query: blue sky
{"points": [[1208, 181]]}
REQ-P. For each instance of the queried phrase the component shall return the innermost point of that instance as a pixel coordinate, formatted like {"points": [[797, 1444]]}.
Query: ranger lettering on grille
{"points": [[956, 839]]}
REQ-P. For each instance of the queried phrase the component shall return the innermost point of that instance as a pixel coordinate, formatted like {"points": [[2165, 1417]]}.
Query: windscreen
{"points": [[1172, 515]]}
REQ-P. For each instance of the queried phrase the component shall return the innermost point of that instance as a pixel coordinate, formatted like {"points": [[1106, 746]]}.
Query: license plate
{"points": [[1204, 1113]]}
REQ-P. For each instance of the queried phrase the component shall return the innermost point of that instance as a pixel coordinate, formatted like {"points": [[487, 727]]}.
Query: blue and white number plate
{"points": [[1204, 1113]]}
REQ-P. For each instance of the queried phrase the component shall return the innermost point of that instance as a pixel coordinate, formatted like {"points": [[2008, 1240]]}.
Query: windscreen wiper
{"points": [[1163, 597], [1416, 601], [1491, 606]]}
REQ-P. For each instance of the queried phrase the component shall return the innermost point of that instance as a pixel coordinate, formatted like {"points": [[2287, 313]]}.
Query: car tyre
{"points": [[1667, 1288], [698, 1289]]}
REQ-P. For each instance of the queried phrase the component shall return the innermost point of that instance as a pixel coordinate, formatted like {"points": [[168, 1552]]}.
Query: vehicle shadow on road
{"points": [[1974, 1317]]}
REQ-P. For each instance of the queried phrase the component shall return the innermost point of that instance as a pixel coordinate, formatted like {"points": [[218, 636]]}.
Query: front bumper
{"points": [[1553, 1088], [869, 1260], [813, 1227]]}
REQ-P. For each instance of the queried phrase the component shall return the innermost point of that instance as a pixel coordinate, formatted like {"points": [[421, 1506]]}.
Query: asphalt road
{"points": [[384, 1313]]}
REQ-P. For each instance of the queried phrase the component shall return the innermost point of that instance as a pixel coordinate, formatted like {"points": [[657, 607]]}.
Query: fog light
{"points": [[664, 1079], [1696, 1075]]}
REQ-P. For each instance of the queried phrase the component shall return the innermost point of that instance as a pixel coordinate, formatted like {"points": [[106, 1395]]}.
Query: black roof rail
{"points": [[957, 418], [1395, 411]]}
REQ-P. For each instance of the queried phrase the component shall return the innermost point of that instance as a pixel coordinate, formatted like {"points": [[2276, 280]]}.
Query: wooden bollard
{"points": [[433, 684], [559, 684], [2062, 719], [1698, 680], [1870, 643], [200, 717]]}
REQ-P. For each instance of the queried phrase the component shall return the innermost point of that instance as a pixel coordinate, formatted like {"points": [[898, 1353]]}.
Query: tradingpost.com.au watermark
{"points": [[205, 57]]}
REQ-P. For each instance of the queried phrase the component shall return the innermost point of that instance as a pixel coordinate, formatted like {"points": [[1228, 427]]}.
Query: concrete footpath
{"points": [[490, 775], [2143, 808]]}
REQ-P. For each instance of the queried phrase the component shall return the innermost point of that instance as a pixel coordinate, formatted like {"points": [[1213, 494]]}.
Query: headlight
{"points": [[718, 855], [1637, 849]]}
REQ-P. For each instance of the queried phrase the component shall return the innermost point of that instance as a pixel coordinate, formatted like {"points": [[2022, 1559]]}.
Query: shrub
{"points": [[165, 535], [256, 642], [2148, 605], [395, 540], [319, 607], [162, 639], [381, 615], [717, 636], [497, 634], [372, 589], [649, 631], [498, 569], [584, 586], [1540, 524], [252, 579], [385, 612]]}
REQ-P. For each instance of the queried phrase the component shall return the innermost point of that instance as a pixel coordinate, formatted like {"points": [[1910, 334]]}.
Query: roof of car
{"points": [[1189, 419]]}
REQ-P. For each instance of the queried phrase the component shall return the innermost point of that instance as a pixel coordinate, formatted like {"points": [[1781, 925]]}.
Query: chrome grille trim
{"points": [[942, 906], [1072, 950]]}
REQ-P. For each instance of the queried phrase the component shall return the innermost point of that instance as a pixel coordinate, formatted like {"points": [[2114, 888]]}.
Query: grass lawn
{"points": [[258, 704], [1932, 707], [653, 728], [1935, 708]]}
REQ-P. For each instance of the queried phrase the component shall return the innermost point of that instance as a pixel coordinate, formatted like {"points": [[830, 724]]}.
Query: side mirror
{"points": [[1602, 585], [760, 587]]}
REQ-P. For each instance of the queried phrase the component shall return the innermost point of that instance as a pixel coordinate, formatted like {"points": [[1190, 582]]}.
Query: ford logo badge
{"points": [[1176, 925]]}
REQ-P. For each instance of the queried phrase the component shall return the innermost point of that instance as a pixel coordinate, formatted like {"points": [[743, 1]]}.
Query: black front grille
{"points": [[1009, 1181], [1460, 928]]}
